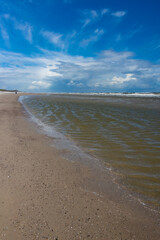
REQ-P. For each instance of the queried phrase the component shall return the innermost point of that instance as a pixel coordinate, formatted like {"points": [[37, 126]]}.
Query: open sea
{"points": [[122, 130]]}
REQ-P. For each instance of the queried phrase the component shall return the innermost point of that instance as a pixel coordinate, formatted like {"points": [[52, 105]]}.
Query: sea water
{"points": [[121, 130]]}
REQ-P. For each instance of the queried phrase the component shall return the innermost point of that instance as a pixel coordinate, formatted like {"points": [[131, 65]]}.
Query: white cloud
{"points": [[121, 80], [74, 83], [99, 31], [115, 57], [86, 22], [107, 71], [54, 38], [89, 16], [93, 38], [94, 14], [4, 35], [24, 27], [104, 11], [26, 72], [39, 84], [119, 14]]}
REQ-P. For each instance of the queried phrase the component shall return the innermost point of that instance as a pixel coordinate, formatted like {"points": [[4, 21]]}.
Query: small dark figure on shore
{"points": [[16, 91]]}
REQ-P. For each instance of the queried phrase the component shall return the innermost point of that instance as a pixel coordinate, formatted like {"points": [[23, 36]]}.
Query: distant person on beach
{"points": [[16, 91]]}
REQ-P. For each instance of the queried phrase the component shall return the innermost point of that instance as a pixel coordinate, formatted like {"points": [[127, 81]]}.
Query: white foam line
{"points": [[151, 95], [50, 131]]}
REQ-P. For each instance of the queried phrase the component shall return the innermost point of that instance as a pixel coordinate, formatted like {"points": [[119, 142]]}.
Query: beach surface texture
{"points": [[45, 196]]}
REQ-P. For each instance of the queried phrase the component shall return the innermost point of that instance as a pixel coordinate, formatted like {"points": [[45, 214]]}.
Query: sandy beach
{"points": [[44, 196]]}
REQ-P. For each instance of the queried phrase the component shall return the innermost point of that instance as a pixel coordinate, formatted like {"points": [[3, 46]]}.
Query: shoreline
{"points": [[74, 151], [45, 196]]}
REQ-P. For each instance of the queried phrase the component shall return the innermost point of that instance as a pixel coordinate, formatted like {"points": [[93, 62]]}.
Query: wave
{"points": [[124, 94]]}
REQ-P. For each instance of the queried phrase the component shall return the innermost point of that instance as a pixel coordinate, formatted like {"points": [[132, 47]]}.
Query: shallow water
{"points": [[122, 131]]}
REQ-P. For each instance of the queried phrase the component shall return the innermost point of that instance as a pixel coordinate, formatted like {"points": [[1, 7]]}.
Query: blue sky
{"points": [[80, 45]]}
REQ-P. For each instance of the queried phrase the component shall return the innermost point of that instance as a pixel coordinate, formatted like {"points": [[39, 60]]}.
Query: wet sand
{"points": [[45, 196]]}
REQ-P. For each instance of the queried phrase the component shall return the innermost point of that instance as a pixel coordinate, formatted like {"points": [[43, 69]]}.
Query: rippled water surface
{"points": [[122, 131]]}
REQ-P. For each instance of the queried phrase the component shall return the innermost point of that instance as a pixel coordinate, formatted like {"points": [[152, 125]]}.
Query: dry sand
{"points": [[44, 196]]}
